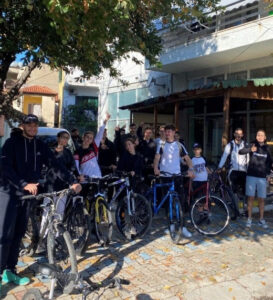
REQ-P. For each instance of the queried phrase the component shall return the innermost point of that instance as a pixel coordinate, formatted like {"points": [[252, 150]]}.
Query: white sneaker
{"points": [[263, 223], [248, 223], [186, 233]]}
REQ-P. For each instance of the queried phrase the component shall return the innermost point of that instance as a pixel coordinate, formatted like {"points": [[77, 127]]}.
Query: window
{"points": [[237, 75], [262, 72], [113, 105], [81, 100], [215, 79], [196, 83], [126, 98]]}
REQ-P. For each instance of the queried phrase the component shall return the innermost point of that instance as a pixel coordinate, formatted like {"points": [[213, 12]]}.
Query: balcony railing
{"points": [[71, 80], [186, 33]]}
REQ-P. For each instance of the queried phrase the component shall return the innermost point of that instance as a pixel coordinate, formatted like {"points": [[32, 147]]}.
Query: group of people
{"points": [[136, 152]]}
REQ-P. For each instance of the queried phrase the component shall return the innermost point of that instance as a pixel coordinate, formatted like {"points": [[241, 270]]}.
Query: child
{"points": [[200, 170]]}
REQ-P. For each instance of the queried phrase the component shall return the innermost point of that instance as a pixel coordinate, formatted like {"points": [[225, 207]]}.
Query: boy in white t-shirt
{"points": [[200, 170]]}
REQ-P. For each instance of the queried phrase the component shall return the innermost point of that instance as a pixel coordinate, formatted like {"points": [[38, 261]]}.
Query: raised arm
{"points": [[99, 134]]}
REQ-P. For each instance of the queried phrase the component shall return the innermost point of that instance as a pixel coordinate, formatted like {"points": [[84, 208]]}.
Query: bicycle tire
{"points": [[103, 221], [33, 294], [79, 227], [58, 243], [176, 223], [210, 222], [132, 227]]}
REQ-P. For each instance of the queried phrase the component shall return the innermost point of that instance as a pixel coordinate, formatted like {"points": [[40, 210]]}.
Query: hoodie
{"points": [[260, 162], [23, 160]]}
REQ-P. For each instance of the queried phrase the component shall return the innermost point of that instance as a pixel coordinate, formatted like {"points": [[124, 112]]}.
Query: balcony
{"points": [[242, 32]]}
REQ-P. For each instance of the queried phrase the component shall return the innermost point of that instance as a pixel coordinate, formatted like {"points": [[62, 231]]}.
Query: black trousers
{"points": [[14, 215], [237, 180]]}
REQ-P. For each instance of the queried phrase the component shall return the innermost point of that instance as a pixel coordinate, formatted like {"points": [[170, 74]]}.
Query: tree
{"points": [[89, 34]]}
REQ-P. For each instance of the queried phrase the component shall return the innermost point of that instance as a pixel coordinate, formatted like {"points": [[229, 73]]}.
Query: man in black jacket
{"points": [[107, 155], [23, 157], [260, 164]]}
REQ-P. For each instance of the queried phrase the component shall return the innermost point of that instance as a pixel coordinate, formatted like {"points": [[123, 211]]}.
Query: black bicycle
{"points": [[59, 245]]}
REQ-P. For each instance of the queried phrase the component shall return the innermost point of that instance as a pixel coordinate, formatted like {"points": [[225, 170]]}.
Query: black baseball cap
{"points": [[196, 145], [30, 118]]}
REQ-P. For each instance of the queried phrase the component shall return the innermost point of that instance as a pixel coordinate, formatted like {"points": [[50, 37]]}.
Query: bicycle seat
{"points": [[48, 269]]}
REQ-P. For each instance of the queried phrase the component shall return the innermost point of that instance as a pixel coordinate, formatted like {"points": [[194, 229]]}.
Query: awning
{"points": [[193, 93]]}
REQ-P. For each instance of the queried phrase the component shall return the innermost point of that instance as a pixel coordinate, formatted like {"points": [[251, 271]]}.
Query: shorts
{"points": [[254, 184]]}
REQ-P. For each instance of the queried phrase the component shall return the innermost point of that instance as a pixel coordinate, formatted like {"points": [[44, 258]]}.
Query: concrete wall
{"points": [[45, 77], [48, 110]]}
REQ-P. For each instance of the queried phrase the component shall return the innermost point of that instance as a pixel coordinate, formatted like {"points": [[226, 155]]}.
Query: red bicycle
{"points": [[209, 213]]}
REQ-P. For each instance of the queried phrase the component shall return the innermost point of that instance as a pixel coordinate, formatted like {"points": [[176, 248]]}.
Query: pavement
{"points": [[236, 265]]}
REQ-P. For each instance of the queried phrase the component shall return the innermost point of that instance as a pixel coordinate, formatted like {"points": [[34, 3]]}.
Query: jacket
{"points": [[260, 162], [23, 160], [237, 162]]}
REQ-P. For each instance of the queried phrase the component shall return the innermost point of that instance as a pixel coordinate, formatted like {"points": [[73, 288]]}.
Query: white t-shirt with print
{"points": [[170, 157], [200, 171]]}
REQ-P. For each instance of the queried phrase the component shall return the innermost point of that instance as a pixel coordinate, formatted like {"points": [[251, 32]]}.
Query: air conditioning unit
{"points": [[72, 92]]}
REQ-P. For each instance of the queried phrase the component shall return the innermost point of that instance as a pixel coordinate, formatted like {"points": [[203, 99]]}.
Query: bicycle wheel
{"points": [[232, 203], [33, 294], [210, 219], [103, 221], [62, 254], [138, 223], [175, 219], [79, 227]]}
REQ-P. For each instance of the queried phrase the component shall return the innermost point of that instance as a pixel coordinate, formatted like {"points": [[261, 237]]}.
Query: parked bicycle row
{"points": [[148, 175]]}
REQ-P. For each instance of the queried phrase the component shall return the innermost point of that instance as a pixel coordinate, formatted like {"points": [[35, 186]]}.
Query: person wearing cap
{"points": [[23, 157], [200, 170]]}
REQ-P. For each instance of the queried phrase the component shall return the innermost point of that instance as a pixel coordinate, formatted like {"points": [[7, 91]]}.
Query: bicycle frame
{"points": [[169, 195], [125, 184]]}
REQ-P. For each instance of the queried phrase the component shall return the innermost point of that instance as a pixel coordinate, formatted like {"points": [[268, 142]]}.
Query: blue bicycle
{"points": [[175, 213]]}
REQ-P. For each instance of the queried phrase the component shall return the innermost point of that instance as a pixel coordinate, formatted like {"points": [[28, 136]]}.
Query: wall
{"points": [[48, 110], [44, 76]]}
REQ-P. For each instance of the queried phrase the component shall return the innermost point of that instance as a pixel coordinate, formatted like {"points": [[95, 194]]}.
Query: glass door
{"points": [[214, 128]]}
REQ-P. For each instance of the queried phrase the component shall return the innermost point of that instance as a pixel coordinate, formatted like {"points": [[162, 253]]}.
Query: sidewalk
{"points": [[237, 265]]}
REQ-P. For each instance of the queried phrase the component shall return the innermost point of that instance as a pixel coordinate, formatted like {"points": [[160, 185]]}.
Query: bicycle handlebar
{"points": [[44, 195]]}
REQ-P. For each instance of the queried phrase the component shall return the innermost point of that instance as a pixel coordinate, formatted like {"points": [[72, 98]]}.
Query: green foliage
{"points": [[80, 116], [90, 34]]}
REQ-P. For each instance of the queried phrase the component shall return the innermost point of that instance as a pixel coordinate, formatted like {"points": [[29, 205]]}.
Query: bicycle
{"points": [[74, 217], [76, 281], [133, 212], [175, 208], [226, 193], [98, 208], [60, 248], [209, 214]]}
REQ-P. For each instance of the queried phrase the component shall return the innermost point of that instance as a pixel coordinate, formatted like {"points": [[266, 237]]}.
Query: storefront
{"points": [[211, 114]]}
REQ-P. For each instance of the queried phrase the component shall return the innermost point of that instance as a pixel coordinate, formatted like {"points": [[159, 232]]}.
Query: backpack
{"points": [[228, 160]]}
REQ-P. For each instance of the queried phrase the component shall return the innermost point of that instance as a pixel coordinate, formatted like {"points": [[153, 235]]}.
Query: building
{"points": [[39, 94], [79, 100], [221, 77]]}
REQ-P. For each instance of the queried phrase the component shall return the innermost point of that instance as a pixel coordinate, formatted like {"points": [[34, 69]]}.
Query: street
{"points": [[236, 265]]}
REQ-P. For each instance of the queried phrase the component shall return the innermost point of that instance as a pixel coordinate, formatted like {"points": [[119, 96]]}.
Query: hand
{"points": [[113, 167], [219, 170], [253, 148], [32, 188], [76, 187], [107, 117], [81, 178], [132, 173], [104, 147], [191, 174], [156, 171]]}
